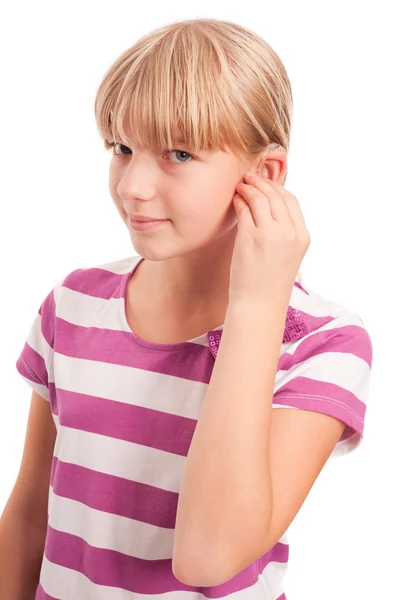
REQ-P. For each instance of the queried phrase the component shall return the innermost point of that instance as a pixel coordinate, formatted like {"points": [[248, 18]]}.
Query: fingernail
{"points": [[250, 173]]}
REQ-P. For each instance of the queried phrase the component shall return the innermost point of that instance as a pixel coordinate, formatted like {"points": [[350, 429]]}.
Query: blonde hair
{"points": [[216, 81]]}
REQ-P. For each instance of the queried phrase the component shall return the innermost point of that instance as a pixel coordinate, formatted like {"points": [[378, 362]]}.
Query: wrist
{"points": [[275, 296], [266, 311], [270, 302]]}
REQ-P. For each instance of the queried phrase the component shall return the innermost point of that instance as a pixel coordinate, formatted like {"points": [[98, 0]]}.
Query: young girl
{"points": [[155, 377]]}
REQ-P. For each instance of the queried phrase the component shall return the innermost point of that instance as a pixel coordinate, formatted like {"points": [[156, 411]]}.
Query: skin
{"points": [[188, 259]]}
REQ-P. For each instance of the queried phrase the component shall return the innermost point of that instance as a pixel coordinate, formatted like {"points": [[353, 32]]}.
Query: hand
{"points": [[270, 244]]}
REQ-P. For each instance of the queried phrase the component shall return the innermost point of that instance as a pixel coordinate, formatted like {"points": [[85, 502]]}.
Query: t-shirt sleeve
{"points": [[35, 362], [328, 371]]}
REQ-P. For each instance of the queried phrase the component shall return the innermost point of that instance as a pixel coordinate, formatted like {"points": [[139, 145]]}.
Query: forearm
{"points": [[225, 499], [21, 552]]}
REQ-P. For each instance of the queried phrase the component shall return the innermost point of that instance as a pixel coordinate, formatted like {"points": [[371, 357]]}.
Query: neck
{"points": [[196, 280]]}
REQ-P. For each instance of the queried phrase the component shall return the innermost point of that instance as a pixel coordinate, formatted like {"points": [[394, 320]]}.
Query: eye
{"points": [[181, 152], [124, 151], [115, 145]]}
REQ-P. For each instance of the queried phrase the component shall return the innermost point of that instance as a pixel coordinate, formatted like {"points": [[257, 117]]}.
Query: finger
{"points": [[258, 204], [244, 216], [276, 201]]}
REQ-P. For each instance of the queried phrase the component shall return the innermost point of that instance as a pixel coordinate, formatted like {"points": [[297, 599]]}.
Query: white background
{"points": [[57, 215]]}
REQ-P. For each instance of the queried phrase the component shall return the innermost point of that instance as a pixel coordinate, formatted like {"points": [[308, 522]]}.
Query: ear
{"points": [[273, 163]]}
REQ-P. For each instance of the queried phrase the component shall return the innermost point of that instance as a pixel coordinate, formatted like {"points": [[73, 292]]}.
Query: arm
{"points": [[225, 501], [300, 443], [21, 554], [23, 523]]}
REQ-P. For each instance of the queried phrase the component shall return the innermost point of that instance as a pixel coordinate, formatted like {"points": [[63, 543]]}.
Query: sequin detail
{"points": [[295, 328], [214, 338]]}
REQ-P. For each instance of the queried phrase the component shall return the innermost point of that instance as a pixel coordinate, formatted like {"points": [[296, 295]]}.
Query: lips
{"points": [[144, 225], [141, 219]]}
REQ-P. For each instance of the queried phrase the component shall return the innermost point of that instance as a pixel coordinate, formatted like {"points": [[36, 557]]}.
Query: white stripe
{"points": [[120, 458], [91, 311], [109, 531], [130, 385], [340, 368]]}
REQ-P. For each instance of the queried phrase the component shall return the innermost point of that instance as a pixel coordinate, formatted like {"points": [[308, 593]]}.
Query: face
{"points": [[193, 191]]}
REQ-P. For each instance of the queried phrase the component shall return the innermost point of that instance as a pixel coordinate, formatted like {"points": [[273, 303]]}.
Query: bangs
{"points": [[177, 90]]}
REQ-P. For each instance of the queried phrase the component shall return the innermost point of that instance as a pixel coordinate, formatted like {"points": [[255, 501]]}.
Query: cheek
{"points": [[218, 194], [210, 211]]}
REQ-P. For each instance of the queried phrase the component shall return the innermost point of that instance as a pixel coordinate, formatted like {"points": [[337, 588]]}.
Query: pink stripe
{"points": [[97, 282], [321, 396], [112, 568], [138, 501], [123, 421], [191, 361], [350, 339], [31, 365]]}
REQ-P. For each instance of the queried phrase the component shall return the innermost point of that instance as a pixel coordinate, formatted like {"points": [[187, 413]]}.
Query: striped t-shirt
{"points": [[125, 411]]}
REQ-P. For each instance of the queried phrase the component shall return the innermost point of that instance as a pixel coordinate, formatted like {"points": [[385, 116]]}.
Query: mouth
{"points": [[143, 225], [142, 219]]}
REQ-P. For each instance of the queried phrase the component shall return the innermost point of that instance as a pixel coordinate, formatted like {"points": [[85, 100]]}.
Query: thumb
{"points": [[240, 208], [238, 203]]}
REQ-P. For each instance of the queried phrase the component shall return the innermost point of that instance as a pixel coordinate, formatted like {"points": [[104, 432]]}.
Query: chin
{"points": [[150, 250]]}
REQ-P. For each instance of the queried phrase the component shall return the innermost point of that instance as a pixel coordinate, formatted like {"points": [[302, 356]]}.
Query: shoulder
{"points": [[319, 314], [325, 363], [317, 325], [102, 280]]}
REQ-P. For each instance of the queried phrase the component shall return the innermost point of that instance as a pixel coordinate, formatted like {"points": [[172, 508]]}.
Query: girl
{"points": [[167, 468]]}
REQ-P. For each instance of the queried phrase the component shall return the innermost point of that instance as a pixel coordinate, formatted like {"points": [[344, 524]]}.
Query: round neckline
{"points": [[178, 346]]}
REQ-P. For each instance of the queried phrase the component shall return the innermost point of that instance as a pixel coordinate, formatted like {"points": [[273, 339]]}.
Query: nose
{"points": [[137, 181]]}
